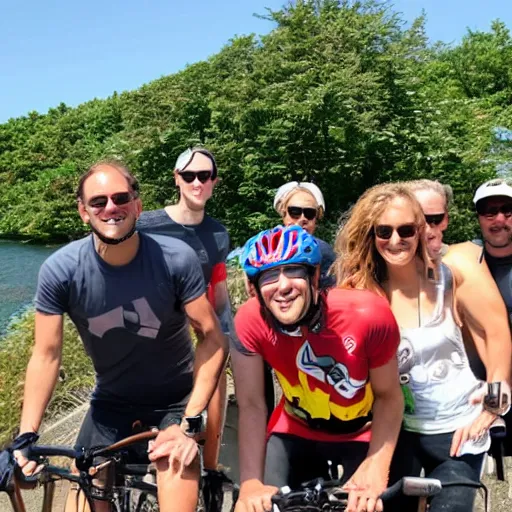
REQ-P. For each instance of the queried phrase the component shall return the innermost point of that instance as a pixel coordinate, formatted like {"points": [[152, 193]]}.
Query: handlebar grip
{"points": [[392, 491], [413, 486], [52, 451]]}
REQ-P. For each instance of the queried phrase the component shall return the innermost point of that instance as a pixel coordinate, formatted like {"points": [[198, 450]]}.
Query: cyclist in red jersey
{"points": [[334, 355]]}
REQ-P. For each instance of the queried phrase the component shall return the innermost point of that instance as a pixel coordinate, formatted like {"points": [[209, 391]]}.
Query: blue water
{"points": [[19, 265]]}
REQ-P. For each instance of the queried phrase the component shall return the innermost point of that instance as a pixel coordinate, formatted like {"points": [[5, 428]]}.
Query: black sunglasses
{"points": [[385, 232], [295, 212], [492, 211], [291, 272], [434, 219], [118, 199], [190, 176]]}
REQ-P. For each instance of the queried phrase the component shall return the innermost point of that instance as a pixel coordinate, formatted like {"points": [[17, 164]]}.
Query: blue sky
{"points": [[59, 50]]}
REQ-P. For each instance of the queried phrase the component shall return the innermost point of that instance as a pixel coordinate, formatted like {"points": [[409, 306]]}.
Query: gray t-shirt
{"points": [[209, 238], [130, 318]]}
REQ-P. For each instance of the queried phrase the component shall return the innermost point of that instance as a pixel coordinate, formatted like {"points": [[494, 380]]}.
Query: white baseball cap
{"points": [[493, 188], [285, 189]]}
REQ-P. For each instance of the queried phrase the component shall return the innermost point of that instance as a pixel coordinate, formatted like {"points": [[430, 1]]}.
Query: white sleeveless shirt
{"points": [[434, 366]]}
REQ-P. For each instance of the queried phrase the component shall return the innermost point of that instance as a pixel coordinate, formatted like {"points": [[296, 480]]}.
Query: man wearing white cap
{"points": [[303, 204], [493, 203]]}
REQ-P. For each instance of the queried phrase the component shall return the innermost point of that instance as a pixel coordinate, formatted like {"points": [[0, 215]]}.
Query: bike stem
{"points": [[422, 504]]}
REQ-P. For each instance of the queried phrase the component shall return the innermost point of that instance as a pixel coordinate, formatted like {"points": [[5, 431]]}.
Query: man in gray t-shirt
{"points": [[130, 296], [130, 318]]}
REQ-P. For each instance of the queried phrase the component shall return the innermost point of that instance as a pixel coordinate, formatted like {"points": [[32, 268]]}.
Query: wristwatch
{"points": [[497, 400], [192, 425]]}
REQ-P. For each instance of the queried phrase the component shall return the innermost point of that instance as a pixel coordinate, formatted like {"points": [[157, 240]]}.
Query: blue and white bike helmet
{"points": [[279, 246]]}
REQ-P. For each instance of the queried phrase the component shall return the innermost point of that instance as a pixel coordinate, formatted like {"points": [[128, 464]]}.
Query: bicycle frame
{"points": [[50, 474], [131, 474]]}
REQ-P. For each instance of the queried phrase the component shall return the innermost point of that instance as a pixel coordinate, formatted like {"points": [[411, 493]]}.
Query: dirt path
{"points": [[65, 431]]}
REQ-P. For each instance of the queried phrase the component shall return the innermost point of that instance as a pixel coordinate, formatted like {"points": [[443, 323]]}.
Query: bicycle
{"points": [[328, 496], [131, 488]]}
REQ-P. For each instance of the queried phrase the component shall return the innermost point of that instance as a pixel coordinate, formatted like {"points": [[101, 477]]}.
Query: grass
{"points": [[76, 376]]}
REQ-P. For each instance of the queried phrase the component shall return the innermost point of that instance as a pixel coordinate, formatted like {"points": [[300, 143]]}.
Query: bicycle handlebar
{"points": [[318, 492], [41, 451], [53, 451]]}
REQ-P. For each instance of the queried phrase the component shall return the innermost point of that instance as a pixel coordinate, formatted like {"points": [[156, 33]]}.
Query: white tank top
{"points": [[435, 369]]}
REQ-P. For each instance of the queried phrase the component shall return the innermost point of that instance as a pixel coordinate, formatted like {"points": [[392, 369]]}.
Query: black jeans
{"points": [[292, 460], [432, 453]]}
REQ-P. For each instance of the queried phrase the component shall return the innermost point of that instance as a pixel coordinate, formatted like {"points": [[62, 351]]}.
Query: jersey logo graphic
{"points": [[349, 343], [326, 369], [136, 317]]}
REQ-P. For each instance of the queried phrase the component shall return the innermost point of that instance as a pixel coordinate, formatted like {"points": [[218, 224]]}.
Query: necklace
{"points": [[419, 301]]}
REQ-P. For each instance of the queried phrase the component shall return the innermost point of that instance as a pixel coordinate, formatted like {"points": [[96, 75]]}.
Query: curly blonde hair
{"points": [[358, 263]]}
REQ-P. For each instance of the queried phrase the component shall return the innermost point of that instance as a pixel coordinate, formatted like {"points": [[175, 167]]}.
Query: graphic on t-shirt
{"points": [[135, 316], [436, 364], [349, 343], [429, 372], [326, 369]]}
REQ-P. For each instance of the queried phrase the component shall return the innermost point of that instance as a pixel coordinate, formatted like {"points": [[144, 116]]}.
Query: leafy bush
{"points": [[340, 93]]}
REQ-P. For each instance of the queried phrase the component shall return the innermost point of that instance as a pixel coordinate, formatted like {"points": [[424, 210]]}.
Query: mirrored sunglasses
{"points": [[295, 212], [119, 199], [491, 211], [434, 219], [385, 232], [291, 272], [190, 176]]}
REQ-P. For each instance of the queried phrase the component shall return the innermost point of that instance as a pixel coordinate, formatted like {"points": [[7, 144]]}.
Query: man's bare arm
{"points": [[483, 312], [252, 415], [42, 370], [388, 409], [211, 354], [371, 477]]}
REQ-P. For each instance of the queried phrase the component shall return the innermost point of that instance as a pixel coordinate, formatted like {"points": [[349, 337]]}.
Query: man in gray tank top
{"points": [[493, 203], [131, 297]]}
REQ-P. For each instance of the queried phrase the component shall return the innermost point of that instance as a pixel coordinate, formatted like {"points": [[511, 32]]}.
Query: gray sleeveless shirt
{"points": [[434, 367]]}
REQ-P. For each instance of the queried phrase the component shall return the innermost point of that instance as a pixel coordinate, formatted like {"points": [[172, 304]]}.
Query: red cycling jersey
{"points": [[324, 376]]}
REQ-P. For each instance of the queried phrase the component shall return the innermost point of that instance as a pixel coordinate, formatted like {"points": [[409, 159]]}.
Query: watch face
{"points": [[194, 424]]}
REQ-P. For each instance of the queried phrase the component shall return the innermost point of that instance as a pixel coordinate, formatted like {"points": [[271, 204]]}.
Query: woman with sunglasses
{"points": [[195, 175], [492, 339], [303, 204], [382, 247]]}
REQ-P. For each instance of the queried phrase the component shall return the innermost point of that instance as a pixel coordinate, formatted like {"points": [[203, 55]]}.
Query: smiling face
{"points": [[397, 251], [300, 199], [286, 297], [97, 206], [496, 222], [195, 194], [433, 204]]}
